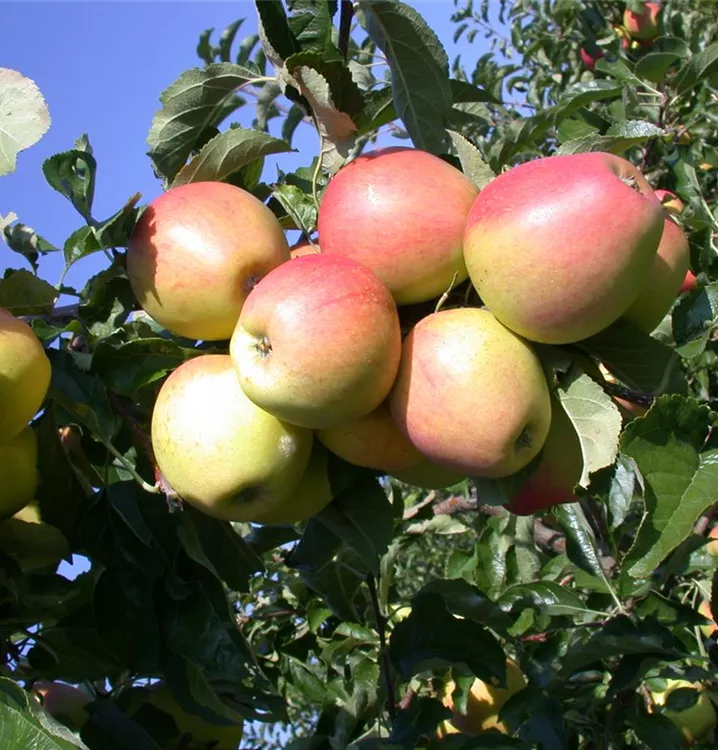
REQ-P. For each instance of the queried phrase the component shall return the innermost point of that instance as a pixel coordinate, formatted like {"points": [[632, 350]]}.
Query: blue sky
{"points": [[101, 67]]}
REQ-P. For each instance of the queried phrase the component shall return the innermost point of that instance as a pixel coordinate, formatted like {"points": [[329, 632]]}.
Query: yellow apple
{"points": [[18, 472], [483, 704], [695, 722], [218, 450], [311, 495], [24, 375], [65, 703], [31, 542]]}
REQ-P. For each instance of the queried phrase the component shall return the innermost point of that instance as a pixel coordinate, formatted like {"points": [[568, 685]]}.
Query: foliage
{"points": [[295, 630]]}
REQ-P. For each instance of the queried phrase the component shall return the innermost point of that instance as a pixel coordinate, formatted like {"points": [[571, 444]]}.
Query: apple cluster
{"points": [[557, 249], [24, 381]]}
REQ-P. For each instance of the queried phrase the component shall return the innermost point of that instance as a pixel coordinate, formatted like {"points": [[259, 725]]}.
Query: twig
{"points": [[345, 25], [405, 702], [242, 619], [383, 651], [635, 397]]}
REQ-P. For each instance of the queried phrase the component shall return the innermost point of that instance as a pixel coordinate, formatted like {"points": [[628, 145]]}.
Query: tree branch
{"points": [[383, 651], [635, 397], [345, 25]]}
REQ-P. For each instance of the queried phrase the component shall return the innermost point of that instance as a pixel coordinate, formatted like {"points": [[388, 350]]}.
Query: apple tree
{"points": [[474, 615]]}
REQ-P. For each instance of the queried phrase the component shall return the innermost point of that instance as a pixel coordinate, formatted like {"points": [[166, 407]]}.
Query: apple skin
{"points": [[712, 546], [644, 25], [670, 266], [695, 722], [196, 253], [558, 472], [689, 283], [569, 262], [318, 342], [401, 212], [303, 247], [470, 394], [218, 450], [483, 704], [65, 703], [589, 61], [705, 610], [312, 494], [428, 476], [18, 472], [373, 441], [24, 374]]}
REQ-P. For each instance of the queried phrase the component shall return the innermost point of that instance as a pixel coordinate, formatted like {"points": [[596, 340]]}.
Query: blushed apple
{"points": [[558, 248], [401, 212], [670, 266], [196, 253], [712, 546], [65, 703], [689, 282], [644, 24], [589, 59], [695, 722], [303, 247], [705, 610], [428, 476], [318, 341], [218, 450], [18, 472], [24, 375], [470, 394]]}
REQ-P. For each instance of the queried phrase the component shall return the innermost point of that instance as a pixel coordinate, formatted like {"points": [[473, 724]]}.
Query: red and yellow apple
{"points": [[643, 24], [196, 253], [318, 341], [303, 247], [559, 470], [470, 394], [218, 450], [712, 546], [670, 266], [693, 723], [401, 212], [705, 610], [589, 59], [24, 374], [65, 703], [558, 248], [18, 472]]}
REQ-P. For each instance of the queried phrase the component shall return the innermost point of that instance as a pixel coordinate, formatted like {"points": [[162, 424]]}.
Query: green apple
{"points": [[218, 450], [670, 266], [693, 723], [311, 495], [31, 542], [559, 248], [18, 472], [643, 24], [65, 703], [373, 441], [196, 253], [24, 375], [428, 476], [318, 341], [470, 394], [401, 212], [483, 704]]}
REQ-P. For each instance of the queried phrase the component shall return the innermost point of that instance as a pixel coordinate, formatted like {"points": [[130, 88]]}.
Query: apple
{"points": [[483, 704], [588, 59], [670, 266], [303, 247], [470, 394], [559, 470], [689, 283], [373, 441], [693, 723], [671, 202], [712, 546], [312, 494], [401, 212], [18, 470], [558, 247], [24, 374], [318, 341], [218, 450], [643, 25], [32, 543], [65, 703], [196, 253], [428, 476], [705, 610]]}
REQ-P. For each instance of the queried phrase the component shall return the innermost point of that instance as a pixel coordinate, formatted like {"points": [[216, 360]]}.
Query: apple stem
{"points": [[383, 650], [445, 295]]}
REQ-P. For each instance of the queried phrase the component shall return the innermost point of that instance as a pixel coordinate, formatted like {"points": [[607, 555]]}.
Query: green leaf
{"points": [[472, 162], [24, 117], [72, 174], [617, 140], [677, 454], [419, 69], [278, 41], [23, 293], [698, 69], [431, 637], [227, 153], [311, 25], [655, 65], [615, 486], [108, 301], [192, 108], [596, 419], [22, 239], [694, 319], [502, 491], [581, 546], [362, 517], [465, 600], [543, 596], [299, 206]]}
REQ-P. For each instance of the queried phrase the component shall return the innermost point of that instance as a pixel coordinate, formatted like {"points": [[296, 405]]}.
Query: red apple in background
{"points": [[196, 253], [318, 341], [303, 247], [567, 263], [401, 212], [643, 25], [670, 267], [558, 472], [689, 282], [589, 60], [712, 546], [470, 394], [65, 703], [705, 610]]}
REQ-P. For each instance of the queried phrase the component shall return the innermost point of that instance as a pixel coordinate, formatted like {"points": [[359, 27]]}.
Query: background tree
{"points": [[341, 631]]}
